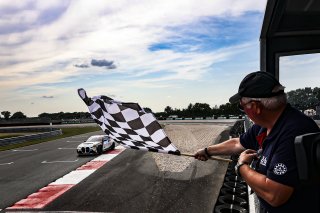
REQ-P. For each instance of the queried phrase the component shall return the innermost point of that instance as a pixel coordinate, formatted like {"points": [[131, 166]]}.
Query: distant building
{"points": [[172, 117]]}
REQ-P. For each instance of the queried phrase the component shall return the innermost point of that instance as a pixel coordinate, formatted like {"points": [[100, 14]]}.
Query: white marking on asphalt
{"points": [[76, 136], [2, 164], [66, 148], [105, 157], [73, 177], [73, 141], [24, 150], [70, 179], [66, 161]]}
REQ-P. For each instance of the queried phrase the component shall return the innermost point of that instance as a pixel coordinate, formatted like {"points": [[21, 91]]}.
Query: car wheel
{"points": [[112, 146], [99, 150]]}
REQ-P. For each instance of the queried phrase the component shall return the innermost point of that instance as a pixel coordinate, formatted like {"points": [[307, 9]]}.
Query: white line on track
{"points": [[2, 164], [46, 195], [76, 136], [73, 177], [24, 150], [66, 161], [73, 141], [67, 148]]}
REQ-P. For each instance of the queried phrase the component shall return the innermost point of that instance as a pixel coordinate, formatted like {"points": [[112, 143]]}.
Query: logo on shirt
{"points": [[280, 169], [263, 161]]}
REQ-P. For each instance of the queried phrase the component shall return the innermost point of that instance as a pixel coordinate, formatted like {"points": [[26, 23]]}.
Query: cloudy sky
{"points": [[155, 52]]}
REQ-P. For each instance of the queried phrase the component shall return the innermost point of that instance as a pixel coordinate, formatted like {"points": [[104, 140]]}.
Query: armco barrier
{"points": [[26, 129], [46, 133]]}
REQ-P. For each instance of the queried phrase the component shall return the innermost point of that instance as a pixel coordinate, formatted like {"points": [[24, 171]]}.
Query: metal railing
{"points": [[44, 133]]}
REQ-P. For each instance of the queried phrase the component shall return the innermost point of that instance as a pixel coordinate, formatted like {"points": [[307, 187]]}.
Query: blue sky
{"points": [[157, 53]]}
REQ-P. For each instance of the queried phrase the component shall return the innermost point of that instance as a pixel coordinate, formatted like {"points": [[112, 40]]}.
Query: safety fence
{"points": [[41, 134]]}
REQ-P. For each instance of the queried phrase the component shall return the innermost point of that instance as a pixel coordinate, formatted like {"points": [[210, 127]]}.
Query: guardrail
{"points": [[39, 121], [202, 118], [46, 133], [27, 129]]}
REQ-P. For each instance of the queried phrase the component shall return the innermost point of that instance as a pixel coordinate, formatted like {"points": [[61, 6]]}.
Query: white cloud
{"points": [[14, 4], [49, 4], [23, 18], [120, 31], [300, 71]]}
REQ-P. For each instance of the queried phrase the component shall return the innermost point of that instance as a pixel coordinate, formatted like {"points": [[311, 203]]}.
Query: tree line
{"points": [[200, 110], [53, 116], [302, 99]]}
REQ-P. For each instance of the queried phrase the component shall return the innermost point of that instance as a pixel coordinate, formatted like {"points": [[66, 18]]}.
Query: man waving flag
{"points": [[128, 124]]}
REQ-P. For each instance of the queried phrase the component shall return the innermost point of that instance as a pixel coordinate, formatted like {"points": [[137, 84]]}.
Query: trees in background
{"points": [[18, 115], [301, 99], [200, 110], [65, 115], [6, 114]]}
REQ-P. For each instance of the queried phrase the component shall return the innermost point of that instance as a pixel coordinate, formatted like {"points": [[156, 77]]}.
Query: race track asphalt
{"points": [[25, 170], [131, 182]]}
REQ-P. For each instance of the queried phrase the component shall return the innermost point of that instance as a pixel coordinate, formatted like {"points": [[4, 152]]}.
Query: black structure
{"points": [[307, 149], [290, 27]]}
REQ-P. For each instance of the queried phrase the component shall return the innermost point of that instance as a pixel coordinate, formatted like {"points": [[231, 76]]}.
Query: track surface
{"points": [[131, 182], [27, 169]]}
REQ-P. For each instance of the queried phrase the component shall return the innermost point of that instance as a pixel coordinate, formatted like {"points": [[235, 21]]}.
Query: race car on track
{"points": [[96, 145]]}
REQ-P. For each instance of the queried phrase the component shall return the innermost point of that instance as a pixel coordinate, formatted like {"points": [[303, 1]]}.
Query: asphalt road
{"points": [[131, 182], [25, 170]]}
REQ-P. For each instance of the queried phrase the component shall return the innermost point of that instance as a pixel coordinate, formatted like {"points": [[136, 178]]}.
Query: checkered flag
{"points": [[128, 124]]}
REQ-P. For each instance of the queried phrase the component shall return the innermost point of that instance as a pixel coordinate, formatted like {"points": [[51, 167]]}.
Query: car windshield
{"points": [[95, 138]]}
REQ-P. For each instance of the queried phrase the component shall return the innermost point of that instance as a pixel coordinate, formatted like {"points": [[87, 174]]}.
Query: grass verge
{"points": [[66, 132]]}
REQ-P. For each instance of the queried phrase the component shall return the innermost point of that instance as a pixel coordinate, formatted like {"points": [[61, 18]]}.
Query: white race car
{"points": [[96, 145]]}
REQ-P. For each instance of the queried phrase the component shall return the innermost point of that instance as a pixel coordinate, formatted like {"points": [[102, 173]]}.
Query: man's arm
{"points": [[231, 146], [271, 191]]}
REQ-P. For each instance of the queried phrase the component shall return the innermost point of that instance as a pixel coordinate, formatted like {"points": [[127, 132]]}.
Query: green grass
{"points": [[66, 132]]}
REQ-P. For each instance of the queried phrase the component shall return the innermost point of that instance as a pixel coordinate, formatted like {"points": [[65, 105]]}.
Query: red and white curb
{"points": [[46, 195]]}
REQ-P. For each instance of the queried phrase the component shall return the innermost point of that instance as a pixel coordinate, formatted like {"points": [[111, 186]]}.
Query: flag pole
{"points": [[211, 157]]}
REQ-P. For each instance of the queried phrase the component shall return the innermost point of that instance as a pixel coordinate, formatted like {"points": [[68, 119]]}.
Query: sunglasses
{"points": [[241, 106]]}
